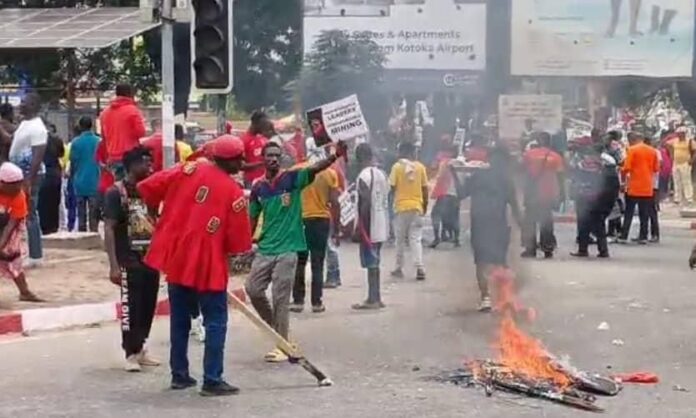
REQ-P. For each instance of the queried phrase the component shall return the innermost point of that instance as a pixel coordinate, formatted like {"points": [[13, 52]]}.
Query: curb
{"points": [[51, 319]]}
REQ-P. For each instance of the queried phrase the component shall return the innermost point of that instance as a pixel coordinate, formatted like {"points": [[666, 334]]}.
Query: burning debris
{"points": [[524, 366]]}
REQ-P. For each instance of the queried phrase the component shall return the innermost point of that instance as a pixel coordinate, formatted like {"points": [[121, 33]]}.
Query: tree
{"points": [[342, 64], [267, 51]]}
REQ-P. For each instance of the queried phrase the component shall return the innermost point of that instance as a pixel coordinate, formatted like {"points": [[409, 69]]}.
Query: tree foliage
{"points": [[267, 51], [342, 64]]}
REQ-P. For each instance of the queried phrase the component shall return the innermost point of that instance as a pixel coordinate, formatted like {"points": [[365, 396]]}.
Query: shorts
{"points": [[370, 254]]}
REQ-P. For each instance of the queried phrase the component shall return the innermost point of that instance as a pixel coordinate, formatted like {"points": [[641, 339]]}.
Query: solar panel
{"points": [[69, 28]]}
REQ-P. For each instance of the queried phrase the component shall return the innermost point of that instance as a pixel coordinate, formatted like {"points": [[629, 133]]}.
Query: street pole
{"points": [[168, 141], [221, 113]]}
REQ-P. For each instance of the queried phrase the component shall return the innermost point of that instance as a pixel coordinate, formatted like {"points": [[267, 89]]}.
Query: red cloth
{"points": [[122, 126], [542, 166], [204, 219], [154, 144], [106, 178], [638, 377], [253, 147], [298, 142], [226, 147], [476, 153]]}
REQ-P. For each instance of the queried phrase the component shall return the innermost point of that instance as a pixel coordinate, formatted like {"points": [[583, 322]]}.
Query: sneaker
{"points": [[219, 389], [144, 359], [434, 244], [603, 255], [642, 242], [330, 285], [318, 308], [132, 364], [197, 329], [548, 254], [296, 307], [486, 305], [183, 383], [621, 241], [275, 356], [580, 254], [366, 306], [528, 254], [655, 240], [420, 274], [397, 274]]}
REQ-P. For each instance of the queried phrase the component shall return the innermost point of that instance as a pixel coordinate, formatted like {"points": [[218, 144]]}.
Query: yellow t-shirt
{"points": [[682, 150], [315, 197], [408, 186], [184, 149]]}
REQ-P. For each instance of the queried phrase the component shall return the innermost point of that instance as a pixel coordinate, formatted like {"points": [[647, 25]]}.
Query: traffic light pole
{"points": [[168, 141]]}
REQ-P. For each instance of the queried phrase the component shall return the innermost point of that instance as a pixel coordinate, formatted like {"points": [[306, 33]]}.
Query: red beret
{"points": [[225, 147]]}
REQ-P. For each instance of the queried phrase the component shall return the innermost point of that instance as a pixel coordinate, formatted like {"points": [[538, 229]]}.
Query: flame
{"points": [[517, 351]]}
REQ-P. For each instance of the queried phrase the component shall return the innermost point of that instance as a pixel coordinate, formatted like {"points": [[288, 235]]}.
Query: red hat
{"points": [[225, 147]]}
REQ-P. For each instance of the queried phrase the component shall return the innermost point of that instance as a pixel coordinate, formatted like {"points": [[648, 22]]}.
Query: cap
{"points": [[225, 147], [10, 173]]}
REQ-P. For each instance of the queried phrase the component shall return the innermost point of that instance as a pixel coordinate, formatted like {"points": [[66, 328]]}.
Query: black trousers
{"points": [[317, 236], [646, 205], [138, 303], [591, 220], [49, 204], [653, 216], [538, 218], [88, 213], [445, 217]]}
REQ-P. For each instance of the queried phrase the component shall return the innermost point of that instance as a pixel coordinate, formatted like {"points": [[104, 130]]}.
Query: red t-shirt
{"points": [[122, 126], [14, 206], [106, 178], [542, 166], [204, 219], [253, 147]]}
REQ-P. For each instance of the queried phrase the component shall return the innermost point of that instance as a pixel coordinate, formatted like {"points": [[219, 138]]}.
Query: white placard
{"points": [[339, 121], [427, 35], [651, 38], [349, 205], [545, 112]]}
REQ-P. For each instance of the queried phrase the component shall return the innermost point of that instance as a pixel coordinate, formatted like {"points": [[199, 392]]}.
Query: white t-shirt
{"points": [[29, 133], [376, 181]]}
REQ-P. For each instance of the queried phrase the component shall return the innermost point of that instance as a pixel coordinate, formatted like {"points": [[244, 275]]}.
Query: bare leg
{"points": [[25, 295], [667, 21], [482, 279], [655, 19], [615, 11], [635, 14]]}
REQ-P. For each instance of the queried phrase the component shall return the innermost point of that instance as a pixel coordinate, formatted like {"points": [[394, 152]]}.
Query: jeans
{"points": [[333, 268], [33, 225], [317, 236], [279, 272], [214, 310], [87, 211], [645, 206], [409, 226], [538, 217], [138, 304]]}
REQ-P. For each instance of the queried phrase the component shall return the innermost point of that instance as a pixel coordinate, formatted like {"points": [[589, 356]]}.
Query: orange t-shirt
{"points": [[640, 166], [543, 165], [14, 206]]}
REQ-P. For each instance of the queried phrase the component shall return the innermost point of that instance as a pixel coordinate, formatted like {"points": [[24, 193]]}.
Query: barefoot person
{"points": [[13, 215], [127, 233], [204, 219]]}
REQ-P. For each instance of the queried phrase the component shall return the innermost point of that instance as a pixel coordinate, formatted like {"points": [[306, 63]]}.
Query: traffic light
{"points": [[211, 45]]}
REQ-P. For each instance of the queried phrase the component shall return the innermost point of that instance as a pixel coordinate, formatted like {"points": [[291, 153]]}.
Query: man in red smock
{"points": [[204, 219]]}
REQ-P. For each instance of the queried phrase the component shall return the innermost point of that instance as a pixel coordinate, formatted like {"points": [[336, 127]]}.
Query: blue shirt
{"points": [[84, 168]]}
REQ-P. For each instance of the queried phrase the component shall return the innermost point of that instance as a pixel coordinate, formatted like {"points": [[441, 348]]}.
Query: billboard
{"points": [[416, 35], [543, 111], [651, 38]]}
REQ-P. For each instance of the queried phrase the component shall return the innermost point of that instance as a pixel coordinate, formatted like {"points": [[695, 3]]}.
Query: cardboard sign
{"points": [[337, 121], [349, 205]]}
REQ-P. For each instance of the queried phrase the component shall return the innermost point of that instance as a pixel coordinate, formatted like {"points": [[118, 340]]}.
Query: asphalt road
{"points": [[379, 360]]}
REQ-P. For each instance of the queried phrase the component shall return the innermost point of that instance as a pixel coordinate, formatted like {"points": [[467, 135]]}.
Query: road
{"points": [[379, 360]]}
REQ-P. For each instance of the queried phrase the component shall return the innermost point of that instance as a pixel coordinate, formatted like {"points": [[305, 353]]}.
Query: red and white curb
{"points": [[48, 319]]}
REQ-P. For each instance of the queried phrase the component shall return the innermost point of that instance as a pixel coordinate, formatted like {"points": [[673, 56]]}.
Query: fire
{"points": [[519, 352]]}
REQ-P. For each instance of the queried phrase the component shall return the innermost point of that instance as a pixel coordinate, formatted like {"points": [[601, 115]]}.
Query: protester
{"points": [[278, 196], [27, 152], [543, 169], [49, 194], [320, 216], [122, 126], [84, 171], [7, 128], [254, 141], [13, 215], [183, 149], [127, 233], [639, 169], [372, 224], [653, 216], [445, 213], [492, 191], [682, 155], [106, 178], [154, 143], [409, 183], [192, 252]]}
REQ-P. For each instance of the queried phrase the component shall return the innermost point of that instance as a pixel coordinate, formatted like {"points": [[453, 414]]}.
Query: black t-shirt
{"points": [[130, 238]]}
